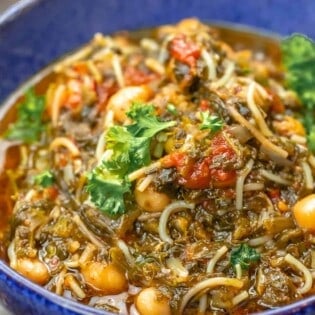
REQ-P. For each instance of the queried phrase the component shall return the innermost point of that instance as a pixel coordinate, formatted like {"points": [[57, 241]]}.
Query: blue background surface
{"points": [[33, 35], [53, 27]]}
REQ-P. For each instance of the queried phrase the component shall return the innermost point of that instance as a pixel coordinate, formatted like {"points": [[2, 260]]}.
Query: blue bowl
{"points": [[35, 32]]}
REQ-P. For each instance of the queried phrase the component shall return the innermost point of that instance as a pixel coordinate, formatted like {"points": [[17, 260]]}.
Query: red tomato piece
{"points": [[134, 76], [204, 105], [184, 50]]}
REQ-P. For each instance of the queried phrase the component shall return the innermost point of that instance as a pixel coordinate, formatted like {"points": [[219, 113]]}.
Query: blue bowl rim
{"points": [[8, 16]]}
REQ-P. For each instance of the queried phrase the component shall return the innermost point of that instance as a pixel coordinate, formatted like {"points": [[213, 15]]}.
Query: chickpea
{"points": [[33, 269], [150, 301], [106, 278], [121, 101], [151, 200], [304, 212]]}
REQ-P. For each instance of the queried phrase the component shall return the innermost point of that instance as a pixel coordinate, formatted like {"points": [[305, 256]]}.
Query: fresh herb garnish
{"points": [[45, 179], [28, 126], [146, 123], [211, 122], [107, 190], [172, 109], [244, 255], [298, 55], [130, 147]]}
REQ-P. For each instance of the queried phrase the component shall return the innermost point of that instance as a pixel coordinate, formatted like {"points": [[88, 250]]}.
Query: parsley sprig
{"points": [[130, 145], [45, 179], [211, 122], [244, 255], [28, 126]]}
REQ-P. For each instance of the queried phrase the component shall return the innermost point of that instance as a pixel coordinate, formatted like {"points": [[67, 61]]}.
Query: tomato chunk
{"points": [[203, 173], [184, 50]]}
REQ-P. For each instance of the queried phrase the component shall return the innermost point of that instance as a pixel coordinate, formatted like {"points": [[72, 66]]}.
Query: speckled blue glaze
{"points": [[35, 32]]}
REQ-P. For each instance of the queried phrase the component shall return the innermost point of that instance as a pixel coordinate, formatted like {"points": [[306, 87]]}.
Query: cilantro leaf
{"points": [[244, 255], [298, 55], [130, 148], [129, 152], [45, 179], [107, 191], [146, 123], [28, 126], [211, 122]]}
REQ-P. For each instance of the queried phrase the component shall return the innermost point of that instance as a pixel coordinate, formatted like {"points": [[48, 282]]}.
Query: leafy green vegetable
{"points": [[244, 255], [211, 122], [298, 55], [45, 179], [28, 126], [130, 146]]}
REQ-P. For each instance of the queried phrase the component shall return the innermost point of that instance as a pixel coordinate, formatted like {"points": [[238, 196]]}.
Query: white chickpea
{"points": [[33, 269], [150, 301], [121, 101], [150, 200], [107, 278], [304, 213]]}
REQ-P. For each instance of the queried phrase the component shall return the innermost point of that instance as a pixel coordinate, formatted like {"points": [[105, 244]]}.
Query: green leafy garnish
{"points": [[172, 109], [298, 55], [45, 179], [211, 122], [28, 126], [107, 191], [244, 255], [146, 123], [130, 150]]}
